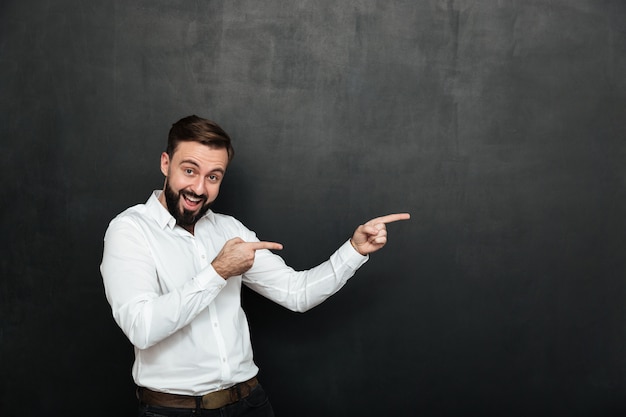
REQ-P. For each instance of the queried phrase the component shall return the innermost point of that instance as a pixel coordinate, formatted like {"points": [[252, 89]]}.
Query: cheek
{"points": [[213, 192], [177, 183]]}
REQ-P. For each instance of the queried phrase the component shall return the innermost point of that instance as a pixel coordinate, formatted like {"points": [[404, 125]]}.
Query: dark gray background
{"points": [[500, 126]]}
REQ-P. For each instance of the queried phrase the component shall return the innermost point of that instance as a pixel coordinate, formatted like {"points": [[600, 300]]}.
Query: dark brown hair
{"points": [[196, 129]]}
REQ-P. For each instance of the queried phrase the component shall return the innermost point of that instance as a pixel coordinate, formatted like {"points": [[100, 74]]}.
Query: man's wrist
{"points": [[222, 273], [355, 248]]}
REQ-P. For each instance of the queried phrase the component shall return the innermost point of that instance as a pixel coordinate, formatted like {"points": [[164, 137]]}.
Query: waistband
{"points": [[210, 401]]}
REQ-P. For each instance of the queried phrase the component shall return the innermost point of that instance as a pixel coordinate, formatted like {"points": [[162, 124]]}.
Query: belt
{"points": [[210, 401]]}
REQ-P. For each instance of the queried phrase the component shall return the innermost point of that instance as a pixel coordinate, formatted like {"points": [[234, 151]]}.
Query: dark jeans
{"points": [[257, 404]]}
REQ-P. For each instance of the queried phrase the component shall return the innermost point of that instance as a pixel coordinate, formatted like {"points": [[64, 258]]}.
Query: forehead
{"points": [[201, 155]]}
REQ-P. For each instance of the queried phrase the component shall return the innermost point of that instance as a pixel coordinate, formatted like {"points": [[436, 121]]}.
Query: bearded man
{"points": [[173, 270]]}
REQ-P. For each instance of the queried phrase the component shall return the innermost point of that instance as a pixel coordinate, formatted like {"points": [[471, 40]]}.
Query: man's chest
{"points": [[179, 256]]}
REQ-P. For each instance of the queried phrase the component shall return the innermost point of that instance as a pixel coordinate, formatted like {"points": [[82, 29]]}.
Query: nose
{"points": [[198, 186]]}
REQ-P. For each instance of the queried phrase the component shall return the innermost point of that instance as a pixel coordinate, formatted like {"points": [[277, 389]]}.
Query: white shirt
{"points": [[185, 321]]}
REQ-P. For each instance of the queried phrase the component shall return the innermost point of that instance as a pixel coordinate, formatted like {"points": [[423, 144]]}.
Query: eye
{"points": [[213, 178], [189, 171]]}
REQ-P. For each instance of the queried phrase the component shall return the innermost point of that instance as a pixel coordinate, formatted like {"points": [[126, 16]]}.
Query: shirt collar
{"points": [[158, 212]]}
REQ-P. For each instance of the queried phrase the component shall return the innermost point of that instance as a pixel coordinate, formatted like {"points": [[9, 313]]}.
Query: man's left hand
{"points": [[371, 236]]}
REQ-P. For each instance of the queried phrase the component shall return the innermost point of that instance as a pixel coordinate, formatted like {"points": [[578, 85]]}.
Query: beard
{"points": [[184, 218]]}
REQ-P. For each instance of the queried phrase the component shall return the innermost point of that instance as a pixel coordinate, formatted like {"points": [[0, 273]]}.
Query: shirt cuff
{"points": [[209, 278], [351, 256]]}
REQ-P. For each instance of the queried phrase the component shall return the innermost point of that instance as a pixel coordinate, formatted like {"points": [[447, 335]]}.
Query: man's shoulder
{"points": [[221, 219], [138, 211], [143, 211], [139, 216], [228, 224]]}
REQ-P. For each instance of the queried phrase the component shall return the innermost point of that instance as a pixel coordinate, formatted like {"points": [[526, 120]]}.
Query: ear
{"points": [[165, 163]]}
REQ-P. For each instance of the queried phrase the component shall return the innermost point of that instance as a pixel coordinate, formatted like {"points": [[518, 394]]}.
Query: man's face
{"points": [[192, 183]]}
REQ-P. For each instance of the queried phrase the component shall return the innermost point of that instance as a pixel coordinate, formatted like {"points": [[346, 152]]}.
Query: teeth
{"points": [[192, 199]]}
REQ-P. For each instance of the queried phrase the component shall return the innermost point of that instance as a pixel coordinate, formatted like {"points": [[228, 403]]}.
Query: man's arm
{"points": [[267, 273], [144, 313]]}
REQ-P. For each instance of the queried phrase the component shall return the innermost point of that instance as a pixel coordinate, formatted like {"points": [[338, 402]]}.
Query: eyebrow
{"points": [[194, 163], [189, 161]]}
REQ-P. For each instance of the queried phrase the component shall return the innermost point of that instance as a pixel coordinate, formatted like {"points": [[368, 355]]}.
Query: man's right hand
{"points": [[237, 256]]}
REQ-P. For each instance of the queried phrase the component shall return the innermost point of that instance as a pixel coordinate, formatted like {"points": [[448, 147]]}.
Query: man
{"points": [[173, 270]]}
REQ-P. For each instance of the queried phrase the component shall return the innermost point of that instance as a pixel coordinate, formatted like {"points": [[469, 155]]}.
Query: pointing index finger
{"points": [[390, 218], [265, 245]]}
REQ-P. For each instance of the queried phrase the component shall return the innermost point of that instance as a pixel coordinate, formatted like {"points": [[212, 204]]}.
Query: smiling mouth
{"points": [[193, 201]]}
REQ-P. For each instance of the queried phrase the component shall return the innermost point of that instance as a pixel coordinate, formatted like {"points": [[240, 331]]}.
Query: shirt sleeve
{"points": [[132, 288], [302, 290]]}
